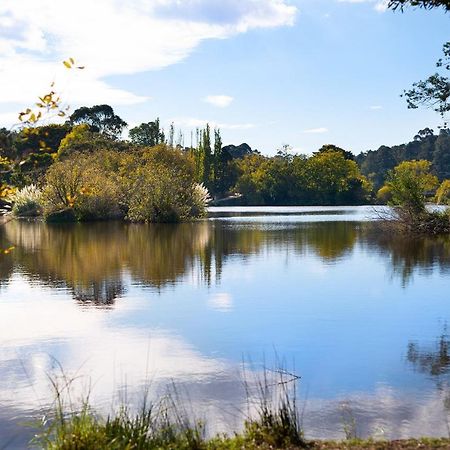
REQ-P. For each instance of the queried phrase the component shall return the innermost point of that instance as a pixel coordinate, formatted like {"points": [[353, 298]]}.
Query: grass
{"points": [[166, 425]]}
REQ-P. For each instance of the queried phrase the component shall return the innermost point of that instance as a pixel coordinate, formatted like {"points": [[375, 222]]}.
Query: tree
{"points": [[332, 179], [427, 4], [409, 183], [147, 134], [7, 147], [82, 140], [207, 156], [441, 156], [423, 134], [434, 92], [335, 148], [101, 119]]}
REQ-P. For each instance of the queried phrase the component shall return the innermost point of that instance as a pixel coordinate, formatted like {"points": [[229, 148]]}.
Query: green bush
{"points": [[81, 184], [152, 185]]}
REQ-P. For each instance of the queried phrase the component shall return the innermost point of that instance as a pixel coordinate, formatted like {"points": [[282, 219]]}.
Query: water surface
{"points": [[361, 313]]}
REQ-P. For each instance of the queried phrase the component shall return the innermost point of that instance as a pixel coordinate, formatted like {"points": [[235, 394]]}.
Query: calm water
{"points": [[362, 315]]}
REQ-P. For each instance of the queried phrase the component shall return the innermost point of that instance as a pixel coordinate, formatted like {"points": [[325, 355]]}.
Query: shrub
{"points": [[152, 185], [27, 202], [158, 186], [409, 183], [443, 193], [80, 183]]}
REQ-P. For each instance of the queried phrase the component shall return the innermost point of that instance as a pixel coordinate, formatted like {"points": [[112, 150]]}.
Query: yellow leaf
{"points": [[71, 61], [67, 64]]}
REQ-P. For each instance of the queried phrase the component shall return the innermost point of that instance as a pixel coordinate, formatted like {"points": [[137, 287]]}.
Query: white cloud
{"points": [[320, 130], [221, 101], [111, 37], [375, 107]]}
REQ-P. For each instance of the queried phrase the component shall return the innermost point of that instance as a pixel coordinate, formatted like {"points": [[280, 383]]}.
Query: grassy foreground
{"points": [[275, 423], [163, 430]]}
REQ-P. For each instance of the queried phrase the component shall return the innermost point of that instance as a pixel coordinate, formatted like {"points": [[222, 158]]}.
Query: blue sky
{"points": [[268, 72]]}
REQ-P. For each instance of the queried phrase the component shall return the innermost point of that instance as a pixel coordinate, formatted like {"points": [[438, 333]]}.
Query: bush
{"points": [[158, 186], [27, 202], [81, 184], [152, 185], [443, 193]]}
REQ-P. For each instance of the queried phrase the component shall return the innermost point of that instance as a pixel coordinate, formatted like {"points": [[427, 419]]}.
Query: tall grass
{"points": [[166, 424]]}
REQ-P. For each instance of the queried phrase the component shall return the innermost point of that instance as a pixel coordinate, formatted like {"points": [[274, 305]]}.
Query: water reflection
{"points": [[435, 361], [94, 260], [340, 298]]}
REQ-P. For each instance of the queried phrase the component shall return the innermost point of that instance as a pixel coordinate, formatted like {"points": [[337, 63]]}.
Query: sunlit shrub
{"points": [[443, 193], [153, 185], [27, 202], [161, 190], [81, 184]]}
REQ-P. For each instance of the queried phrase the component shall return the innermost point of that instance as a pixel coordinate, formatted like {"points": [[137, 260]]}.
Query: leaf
{"points": [[67, 64], [72, 61]]}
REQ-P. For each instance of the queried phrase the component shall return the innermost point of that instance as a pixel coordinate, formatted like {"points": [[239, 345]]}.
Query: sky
{"points": [[266, 72]]}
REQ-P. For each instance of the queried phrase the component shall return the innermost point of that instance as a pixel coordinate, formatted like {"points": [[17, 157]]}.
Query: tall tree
{"points": [[207, 156], [171, 140], [101, 118], [221, 160], [147, 134]]}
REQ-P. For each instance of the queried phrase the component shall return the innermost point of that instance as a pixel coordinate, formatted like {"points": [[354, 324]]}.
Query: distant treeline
{"points": [[330, 176], [375, 164]]}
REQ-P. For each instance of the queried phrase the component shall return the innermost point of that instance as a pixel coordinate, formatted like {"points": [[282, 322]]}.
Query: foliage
{"points": [[333, 179], [160, 188], [27, 202], [46, 139], [147, 134], [443, 193], [152, 185], [434, 92], [334, 148], [325, 178], [101, 119], [384, 195], [375, 164], [83, 140], [409, 183], [426, 4], [81, 184]]}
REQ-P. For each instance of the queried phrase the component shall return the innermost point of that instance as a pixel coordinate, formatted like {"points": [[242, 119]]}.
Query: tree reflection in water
{"points": [[98, 261], [435, 362]]}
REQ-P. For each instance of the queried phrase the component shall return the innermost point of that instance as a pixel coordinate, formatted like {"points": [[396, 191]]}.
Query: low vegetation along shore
{"points": [[275, 422]]}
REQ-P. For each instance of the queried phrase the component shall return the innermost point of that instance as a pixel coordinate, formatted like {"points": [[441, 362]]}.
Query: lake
{"points": [[359, 313]]}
